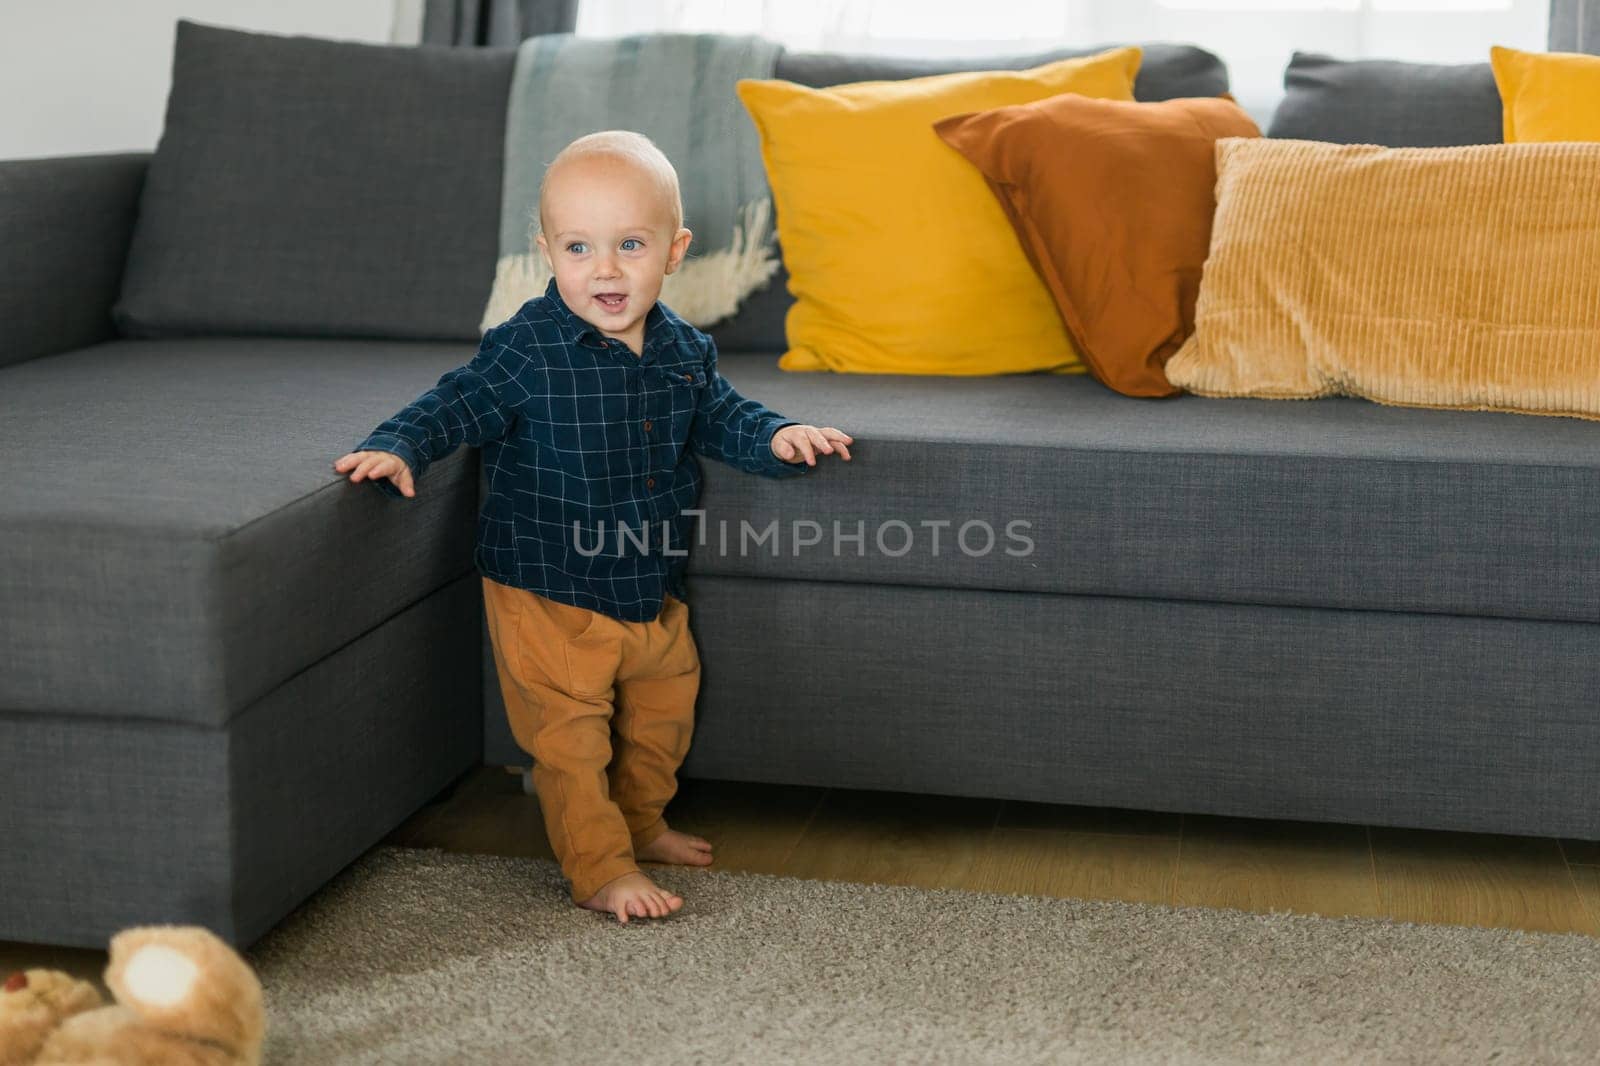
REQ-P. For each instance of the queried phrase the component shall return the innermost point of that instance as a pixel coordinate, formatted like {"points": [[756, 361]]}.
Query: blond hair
{"points": [[634, 149]]}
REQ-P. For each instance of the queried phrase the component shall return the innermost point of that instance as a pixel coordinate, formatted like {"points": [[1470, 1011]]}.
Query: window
{"points": [[1254, 37]]}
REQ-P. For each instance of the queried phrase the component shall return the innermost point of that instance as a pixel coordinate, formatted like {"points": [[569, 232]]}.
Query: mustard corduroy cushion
{"points": [[1547, 96], [1426, 277], [899, 257]]}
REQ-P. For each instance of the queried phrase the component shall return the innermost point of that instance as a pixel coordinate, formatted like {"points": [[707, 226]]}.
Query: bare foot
{"points": [[633, 894], [673, 846]]}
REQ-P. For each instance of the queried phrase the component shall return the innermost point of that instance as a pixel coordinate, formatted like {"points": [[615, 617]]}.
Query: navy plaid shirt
{"points": [[589, 450]]}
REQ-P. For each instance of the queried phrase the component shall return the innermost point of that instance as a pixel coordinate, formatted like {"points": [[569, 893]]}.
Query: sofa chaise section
{"points": [[228, 671], [114, 820], [177, 541]]}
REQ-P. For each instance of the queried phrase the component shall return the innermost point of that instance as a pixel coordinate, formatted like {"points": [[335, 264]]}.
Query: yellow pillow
{"points": [[1461, 277], [1548, 96], [900, 259]]}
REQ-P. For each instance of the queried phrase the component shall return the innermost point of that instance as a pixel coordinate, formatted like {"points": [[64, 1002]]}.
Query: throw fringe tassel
{"points": [[702, 291]]}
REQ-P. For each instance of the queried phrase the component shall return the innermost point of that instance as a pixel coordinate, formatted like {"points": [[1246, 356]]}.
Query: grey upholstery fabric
{"points": [[1574, 26], [64, 230], [177, 542], [758, 324], [1335, 503], [1327, 503], [313, 187], [1167, 71], [1381, 101], [1383, 718], [110, 821]]}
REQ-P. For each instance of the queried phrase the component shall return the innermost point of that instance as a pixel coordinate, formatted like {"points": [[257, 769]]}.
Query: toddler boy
{"points": [[588, 403]]}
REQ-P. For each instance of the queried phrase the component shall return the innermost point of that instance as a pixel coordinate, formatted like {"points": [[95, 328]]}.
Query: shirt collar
{"points": [[657, 331]]}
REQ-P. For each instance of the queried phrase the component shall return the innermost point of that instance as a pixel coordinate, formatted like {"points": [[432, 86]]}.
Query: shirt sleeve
{"points": [[736, 429], [469, 405]]}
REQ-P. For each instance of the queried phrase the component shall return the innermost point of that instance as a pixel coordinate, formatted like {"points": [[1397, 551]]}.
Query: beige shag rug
{"points": [[422, 956]]}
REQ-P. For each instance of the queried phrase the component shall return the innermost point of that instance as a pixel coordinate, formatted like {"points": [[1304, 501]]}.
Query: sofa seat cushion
{"points": [[1329, 503], [177, 541]]}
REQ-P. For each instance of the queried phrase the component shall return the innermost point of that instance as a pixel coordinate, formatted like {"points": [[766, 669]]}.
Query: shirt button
{"points": [[649, 482], [647, 425], [688, 377]]}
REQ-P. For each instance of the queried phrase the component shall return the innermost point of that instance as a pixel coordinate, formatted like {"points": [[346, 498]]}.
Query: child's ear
{"points": [[680, 246], [545, 250]]}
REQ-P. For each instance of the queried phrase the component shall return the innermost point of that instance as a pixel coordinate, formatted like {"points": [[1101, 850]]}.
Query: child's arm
{"points": [[738, 430], [470, 405]]}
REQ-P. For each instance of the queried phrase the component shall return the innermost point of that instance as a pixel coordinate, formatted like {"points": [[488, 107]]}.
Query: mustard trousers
{"points": [[574, 679]]}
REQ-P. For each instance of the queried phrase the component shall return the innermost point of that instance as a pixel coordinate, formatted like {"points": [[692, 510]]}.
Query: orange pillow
{"points": [[1112, 202]]}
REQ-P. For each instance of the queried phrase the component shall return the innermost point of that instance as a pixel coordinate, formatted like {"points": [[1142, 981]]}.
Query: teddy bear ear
{"points": [[188, 982], [16, 982]]}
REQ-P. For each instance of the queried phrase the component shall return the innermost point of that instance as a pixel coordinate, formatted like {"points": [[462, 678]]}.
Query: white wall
{"points": [[81, 76]]}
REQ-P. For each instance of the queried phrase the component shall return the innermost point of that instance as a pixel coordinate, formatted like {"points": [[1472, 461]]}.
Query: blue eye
{"points": [[630, 240], [575, 245]]}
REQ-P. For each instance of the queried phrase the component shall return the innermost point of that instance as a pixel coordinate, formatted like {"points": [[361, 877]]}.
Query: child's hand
{"points": [[375, 465], [791, 443]]}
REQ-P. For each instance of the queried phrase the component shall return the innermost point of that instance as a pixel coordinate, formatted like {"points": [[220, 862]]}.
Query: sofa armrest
{"points": [[65, 226]]}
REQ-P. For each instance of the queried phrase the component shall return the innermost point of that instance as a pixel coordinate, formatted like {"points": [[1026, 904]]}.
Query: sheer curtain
{"points": [[491, 22], [1254, 37], [1575, 26]]}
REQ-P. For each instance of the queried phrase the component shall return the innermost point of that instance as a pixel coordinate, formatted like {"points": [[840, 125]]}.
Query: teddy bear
{"points": [[183, 998]]}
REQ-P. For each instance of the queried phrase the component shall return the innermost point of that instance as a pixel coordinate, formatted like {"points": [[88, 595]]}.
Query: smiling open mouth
{"points": [[611, 301]]}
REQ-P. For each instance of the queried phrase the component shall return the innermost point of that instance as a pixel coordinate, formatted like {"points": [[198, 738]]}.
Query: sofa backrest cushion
{"points": [[1386, 102], [1167, 71], [316, 187]]}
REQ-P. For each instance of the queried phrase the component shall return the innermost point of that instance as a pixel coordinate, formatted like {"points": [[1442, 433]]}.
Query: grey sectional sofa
{"points": [[225, 671]]}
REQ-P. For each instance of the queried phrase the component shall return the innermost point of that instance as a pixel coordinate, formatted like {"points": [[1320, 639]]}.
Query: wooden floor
{"points": [[1535, 883]]}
